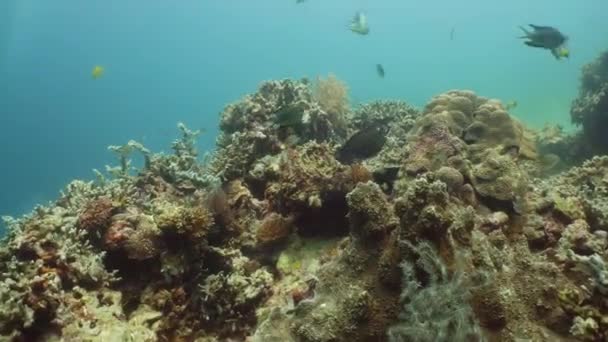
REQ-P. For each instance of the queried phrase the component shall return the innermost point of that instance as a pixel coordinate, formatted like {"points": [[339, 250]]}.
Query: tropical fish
{"points": [[510, 105], [380, 70], [97, 72], [546, 37], [359, 24], [289, 116], [364, 144]]}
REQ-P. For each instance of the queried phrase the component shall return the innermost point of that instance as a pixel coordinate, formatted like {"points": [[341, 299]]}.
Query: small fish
{"points": [[289, 116], [452, 33], [97, 72], [380, 70], [510, 105], [300, 1], [364, 144], [546, 37], [359, 24]]}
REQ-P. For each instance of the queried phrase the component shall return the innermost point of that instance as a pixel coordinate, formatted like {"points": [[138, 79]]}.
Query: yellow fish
{"points": [[97, 72]]}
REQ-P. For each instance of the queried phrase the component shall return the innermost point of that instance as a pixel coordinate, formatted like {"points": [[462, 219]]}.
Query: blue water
{"points": [[170, 61]]}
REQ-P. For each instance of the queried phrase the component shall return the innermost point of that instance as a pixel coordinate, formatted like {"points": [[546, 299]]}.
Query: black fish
{"points": [[380, 70], [364, 144], [289, 116], [545, 37]]}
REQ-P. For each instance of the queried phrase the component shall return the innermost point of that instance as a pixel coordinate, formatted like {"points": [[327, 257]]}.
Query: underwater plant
{"points": [[439, 310], [332, 95]]}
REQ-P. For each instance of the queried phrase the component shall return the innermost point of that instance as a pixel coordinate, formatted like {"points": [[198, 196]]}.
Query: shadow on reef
{"points": [[445, 227]]}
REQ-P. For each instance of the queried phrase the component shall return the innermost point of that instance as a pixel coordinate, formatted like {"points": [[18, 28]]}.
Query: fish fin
{"points": [[526, 32], [539, 27], [534, 44], [555, 54]]}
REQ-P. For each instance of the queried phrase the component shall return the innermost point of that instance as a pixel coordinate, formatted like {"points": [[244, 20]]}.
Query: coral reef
{"points": [[399, 117], [435, 228], [438, 312], [253, 127], [590, 108]]}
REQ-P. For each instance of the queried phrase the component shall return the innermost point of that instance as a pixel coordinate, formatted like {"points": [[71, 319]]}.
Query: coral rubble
{"points": [[294, 230]]}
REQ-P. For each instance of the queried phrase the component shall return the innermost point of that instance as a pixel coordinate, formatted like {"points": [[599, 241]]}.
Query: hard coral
{"points": [[234, 293], [193, 221], [460, 123], [96, 215], [249, 128], [498, 177], [370, 215], [430, 149], [591, 107], [134, 233], [273, 229], [584, 187], [399, 117], [309, 173]]}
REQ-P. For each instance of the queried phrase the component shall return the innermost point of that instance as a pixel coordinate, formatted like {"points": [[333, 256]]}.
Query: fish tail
{"points": [[526, 32]]}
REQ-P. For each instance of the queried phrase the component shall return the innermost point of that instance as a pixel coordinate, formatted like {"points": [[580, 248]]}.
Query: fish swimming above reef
{"points": [[359, 24], [511, 105], [289, 116], [364, 144], [546, 37], [380, 70], [97, 72]]}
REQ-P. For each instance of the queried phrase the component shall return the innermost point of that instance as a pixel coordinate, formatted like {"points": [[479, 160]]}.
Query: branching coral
{"points": [[231, 295], [44, 256], [182, 168], [124, 152], [596, 267]]}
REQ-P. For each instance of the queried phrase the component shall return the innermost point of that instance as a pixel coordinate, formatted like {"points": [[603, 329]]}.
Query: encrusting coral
{"points": [[442, 233]]}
